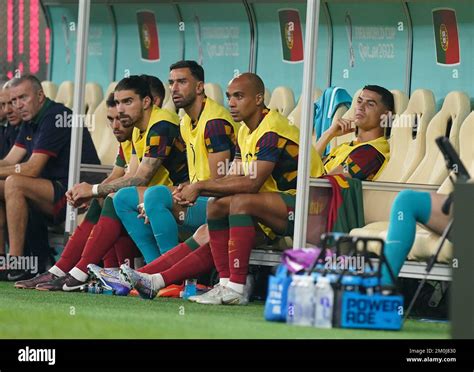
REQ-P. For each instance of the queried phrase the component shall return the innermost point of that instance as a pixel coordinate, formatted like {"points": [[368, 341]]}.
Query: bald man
{"points": [[257, 196]]}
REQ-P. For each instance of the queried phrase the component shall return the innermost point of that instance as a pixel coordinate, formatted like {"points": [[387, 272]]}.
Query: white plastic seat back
{"points": [[102, 136], [65, 94], [455, 109], [168, 101], [406, 151], [50, 89], [400, 101], [283, 100], [426, 241], [93, 97], [466, 151], [295, 115], [214, 91], [267, 96], [110, 88], [104, 141]]}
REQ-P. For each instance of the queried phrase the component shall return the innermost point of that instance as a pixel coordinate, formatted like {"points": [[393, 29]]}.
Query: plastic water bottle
{"points": [[370, 283], [189, 288], [94, 288], [300, 301], [291, 297], [351, 282], [306, 301], [324, 302]]}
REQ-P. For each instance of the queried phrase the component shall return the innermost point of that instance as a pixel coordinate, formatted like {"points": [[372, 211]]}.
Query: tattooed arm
{"points": [[145, 172], [137, 175]]}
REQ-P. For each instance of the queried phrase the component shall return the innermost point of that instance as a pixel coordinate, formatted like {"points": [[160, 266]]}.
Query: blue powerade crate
{"points": [[374, 311], [359, 302]]}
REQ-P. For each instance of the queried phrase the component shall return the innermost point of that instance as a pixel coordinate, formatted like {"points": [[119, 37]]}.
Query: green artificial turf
{"points": [[35, 314]]}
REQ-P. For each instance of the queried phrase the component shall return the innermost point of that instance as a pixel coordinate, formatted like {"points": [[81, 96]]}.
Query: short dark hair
{"points": [[156, 86], [196, 69], [110, 101], [26, 77], [387, 96], [135, 83]]}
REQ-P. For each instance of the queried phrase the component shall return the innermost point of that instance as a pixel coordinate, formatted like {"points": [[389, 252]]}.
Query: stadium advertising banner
{"points": [[446, 37], [368, 45], [291, 35], [148, 33]]}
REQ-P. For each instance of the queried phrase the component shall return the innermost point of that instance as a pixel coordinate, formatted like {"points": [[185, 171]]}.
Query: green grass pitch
{"points": [[53, 315]]}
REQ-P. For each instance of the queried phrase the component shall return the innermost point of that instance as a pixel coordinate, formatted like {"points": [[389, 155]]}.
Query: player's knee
{"points": [[406, 198], [411, 204], [125, 198], [158, 197], [14, 184], [217, 207], [242, 204]]}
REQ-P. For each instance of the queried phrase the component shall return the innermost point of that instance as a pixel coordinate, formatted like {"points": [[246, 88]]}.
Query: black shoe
{"points": [[32, 283], [14, 275], [65, 283]]}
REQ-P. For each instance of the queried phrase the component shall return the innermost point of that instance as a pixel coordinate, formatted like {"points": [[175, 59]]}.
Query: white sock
{"points": [[157, 281], [79, 274], [223, 281], [56, 271], [239, 288]]}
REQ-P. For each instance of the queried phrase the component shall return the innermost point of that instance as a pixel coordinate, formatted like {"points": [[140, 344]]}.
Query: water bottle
{"points": [[305, 302], [189, 288], [300, 304], [290, 310], [351, 282], [370, 282], [94, 288], [324, 302]]}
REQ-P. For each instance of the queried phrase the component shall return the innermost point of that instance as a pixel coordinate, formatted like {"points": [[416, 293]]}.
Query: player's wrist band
{"points": [[95, 189]]}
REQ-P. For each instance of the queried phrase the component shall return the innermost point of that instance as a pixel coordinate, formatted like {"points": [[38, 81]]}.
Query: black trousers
{"points": [[36, 238]]}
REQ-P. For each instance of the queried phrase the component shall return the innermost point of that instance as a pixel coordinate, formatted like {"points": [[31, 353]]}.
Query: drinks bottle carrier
{"points": [[359, 301]]}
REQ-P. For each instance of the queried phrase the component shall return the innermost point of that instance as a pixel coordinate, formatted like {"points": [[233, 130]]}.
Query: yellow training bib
{"points": [[193, 136], [161, 177], [127, 150], [273, 122], [339, 154]]}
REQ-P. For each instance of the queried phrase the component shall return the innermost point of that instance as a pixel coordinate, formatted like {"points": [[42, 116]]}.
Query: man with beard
{"points": [[157, 158], [209, 133], [123, 247]]}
